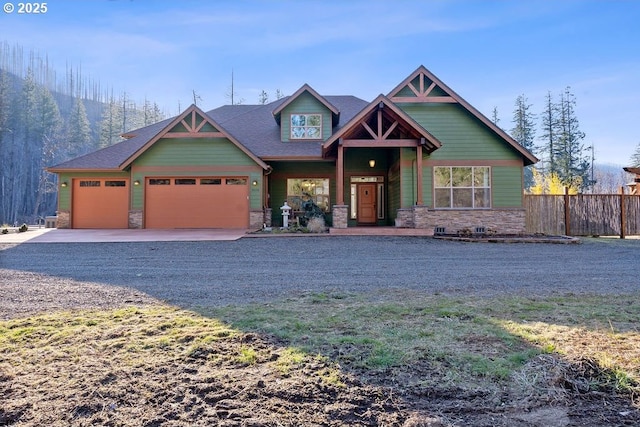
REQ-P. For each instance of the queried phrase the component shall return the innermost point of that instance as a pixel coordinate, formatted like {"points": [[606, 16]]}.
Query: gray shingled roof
{"points": [[252, 125], [113, 156], [256, 128]]}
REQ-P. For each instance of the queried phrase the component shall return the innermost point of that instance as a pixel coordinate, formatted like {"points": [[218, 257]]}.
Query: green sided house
{"points": [[418, 157]]}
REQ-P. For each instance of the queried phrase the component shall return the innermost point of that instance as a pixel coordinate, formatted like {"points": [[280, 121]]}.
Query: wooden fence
{"points": [[583, 214]]}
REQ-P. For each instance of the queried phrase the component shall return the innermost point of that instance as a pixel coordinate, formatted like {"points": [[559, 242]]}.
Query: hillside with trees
{"points": [[46, 119]]}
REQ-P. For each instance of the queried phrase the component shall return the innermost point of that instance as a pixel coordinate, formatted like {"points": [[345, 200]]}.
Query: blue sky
{"points": [[489, 52]]}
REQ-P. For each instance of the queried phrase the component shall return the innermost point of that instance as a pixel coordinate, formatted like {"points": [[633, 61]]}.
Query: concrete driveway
{"points": [[52, 235]]}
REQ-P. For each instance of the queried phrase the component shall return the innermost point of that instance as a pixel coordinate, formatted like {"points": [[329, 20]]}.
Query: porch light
{"points": [[254, 183], [136, 182], [64, 184], [372, 163]]}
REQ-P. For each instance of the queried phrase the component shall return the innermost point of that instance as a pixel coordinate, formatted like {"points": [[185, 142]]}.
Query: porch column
{"points": [[419, 199], [340, 175]]}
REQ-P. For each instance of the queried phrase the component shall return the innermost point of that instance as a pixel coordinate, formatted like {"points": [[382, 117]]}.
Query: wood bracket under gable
{"points": [[423, 92]]}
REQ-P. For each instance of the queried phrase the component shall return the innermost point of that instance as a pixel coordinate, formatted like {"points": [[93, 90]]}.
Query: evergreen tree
{"points": [[494, 116], [151, 113], [6, 134], [524, 132], [78, 133], [635, 157], [263, 98], [570, 157], [26, 147], [49, 138], [110, 125], [549, 133]]}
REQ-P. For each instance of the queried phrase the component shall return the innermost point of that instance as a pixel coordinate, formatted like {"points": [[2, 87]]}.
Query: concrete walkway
{"points": [[52, 235]]}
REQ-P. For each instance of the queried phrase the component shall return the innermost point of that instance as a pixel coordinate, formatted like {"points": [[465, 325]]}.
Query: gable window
{"points": [[306, 126], [459, 187], [299, 190]]}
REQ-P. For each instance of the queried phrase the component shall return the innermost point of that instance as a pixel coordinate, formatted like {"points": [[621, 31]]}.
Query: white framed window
{"points": [[306, 126], [300, 190], [462, 187]]}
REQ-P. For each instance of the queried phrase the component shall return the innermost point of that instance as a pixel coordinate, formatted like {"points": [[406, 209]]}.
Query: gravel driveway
{"points": [[36, 277]]}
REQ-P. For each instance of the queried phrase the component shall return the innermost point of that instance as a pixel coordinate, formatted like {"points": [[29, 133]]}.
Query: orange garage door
{"points": [[197, 202], [100, 203]]}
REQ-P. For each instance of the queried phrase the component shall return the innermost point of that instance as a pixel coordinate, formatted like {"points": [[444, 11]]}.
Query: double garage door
{"points": [[216, 202]]}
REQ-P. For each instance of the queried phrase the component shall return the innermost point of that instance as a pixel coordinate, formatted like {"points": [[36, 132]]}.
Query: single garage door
{"points": [[100, 203], [215, 202]]}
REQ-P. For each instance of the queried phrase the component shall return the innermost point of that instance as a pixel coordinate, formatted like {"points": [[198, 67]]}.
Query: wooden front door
{"points": [[367, 213]]}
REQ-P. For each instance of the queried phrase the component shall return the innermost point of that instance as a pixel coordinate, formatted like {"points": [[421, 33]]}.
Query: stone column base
{"points": [[421, 217], [340, 216], [404, 218], [135, 219], [256, 219], [64, 219]]}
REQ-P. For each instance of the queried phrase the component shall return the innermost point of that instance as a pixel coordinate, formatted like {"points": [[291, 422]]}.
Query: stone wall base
{"points": [[340, 215], [256, 219], [404, 218], [135, 219], [502, 221], [63, 220]]}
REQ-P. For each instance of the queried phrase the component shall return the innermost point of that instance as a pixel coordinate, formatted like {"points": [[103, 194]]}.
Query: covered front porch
{"points": [[379, 170]]}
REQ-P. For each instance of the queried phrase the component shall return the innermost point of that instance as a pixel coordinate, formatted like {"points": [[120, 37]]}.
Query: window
{"points": [[159, 181], [210, 181], [306, 126], [115, 184], [89, 183], [185, 181], [462, 187], [236, 181], [300, 190]]}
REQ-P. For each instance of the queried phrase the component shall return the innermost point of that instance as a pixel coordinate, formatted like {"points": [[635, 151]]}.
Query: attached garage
{"points": [[100, 203], [197, 202]]}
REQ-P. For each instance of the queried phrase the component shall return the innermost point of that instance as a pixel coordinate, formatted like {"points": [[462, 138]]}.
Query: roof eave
{"points": [[177, 120], [528, 157], [77, 170], [326, 146], [312, 92]]}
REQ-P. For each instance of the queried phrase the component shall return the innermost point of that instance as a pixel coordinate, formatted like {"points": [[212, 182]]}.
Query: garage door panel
{"points": [[197, 203], [100, 203]]}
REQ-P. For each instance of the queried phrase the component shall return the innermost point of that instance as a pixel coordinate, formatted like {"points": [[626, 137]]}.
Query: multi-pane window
{"points": [[462, 187], [300, 190], [306, 126]]}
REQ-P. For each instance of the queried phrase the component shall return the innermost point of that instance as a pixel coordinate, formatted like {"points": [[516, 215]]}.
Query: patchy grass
{"points": [[475, 341], [323, 358], [158, 365]]}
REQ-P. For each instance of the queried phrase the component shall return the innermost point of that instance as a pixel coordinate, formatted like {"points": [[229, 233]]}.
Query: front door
{"points": [[367, 213]]}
